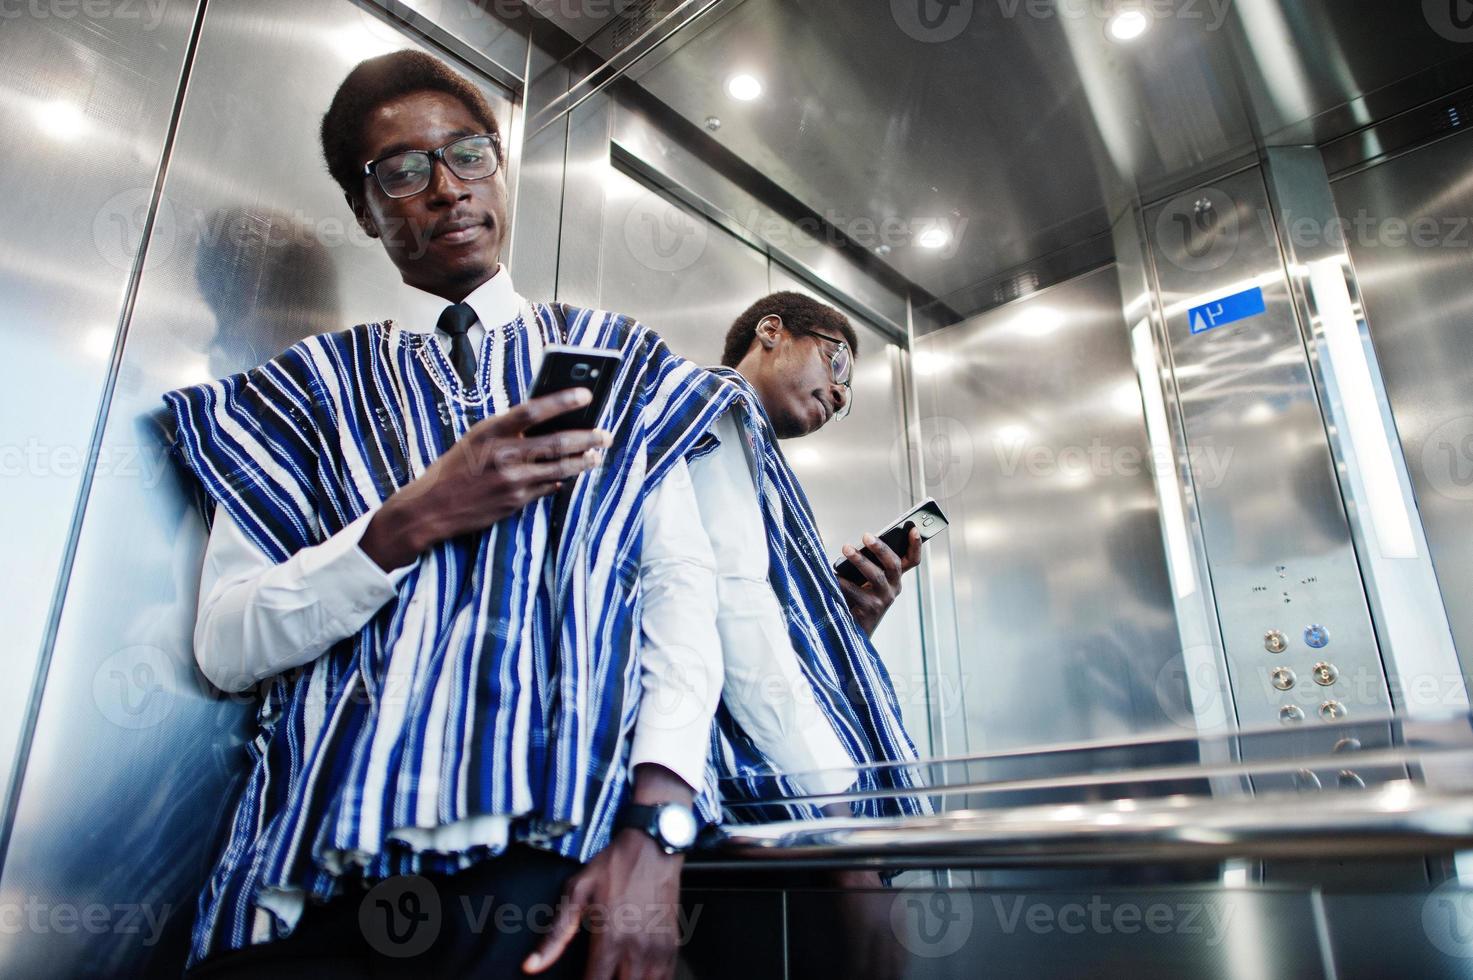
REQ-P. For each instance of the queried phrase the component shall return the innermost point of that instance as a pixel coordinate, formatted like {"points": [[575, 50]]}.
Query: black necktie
{"points": [[456, 321]]}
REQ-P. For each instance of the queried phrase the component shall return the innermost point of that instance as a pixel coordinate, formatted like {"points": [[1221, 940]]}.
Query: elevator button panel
{"points": [[1316, 637], [1274, 641], [1325, 674], [1283, 678], [1291, 714], [1332, 711]]}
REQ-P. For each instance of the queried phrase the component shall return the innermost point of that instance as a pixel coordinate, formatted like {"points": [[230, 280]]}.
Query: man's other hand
{"points": [[869, 602]]}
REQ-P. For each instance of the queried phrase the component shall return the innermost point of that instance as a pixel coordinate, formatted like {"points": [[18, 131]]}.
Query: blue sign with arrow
{"points": [[1229, 309]]}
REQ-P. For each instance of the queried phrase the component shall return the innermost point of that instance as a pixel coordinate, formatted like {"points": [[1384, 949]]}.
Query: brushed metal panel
{"points": [[1034, 441], [135, 759], [1273, 522], [85, 101], [674, 270], [1418, 305]]}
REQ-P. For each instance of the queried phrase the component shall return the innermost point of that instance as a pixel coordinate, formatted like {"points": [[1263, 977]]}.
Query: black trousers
{"points": [[482, 921]]}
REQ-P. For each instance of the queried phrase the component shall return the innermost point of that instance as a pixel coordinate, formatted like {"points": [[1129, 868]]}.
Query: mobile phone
{"points": [[565, 367], [926, 516]]}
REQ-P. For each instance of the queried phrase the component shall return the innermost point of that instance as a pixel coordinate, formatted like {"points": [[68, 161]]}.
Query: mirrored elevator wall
{"points": [[651, 229], [126, 760]]}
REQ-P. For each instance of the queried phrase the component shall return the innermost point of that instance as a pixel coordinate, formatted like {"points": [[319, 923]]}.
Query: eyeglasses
{"points": [[406, 174], [841, 368]]}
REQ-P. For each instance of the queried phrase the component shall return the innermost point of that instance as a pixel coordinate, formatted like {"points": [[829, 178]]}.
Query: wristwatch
{"points": [[672, 825]]}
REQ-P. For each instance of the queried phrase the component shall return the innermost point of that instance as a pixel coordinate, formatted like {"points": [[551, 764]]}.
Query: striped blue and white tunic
{"points": [[498, 681], [849, 679]]}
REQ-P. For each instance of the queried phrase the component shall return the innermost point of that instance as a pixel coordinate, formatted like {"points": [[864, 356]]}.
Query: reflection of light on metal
{"points": [[1391, 520], [61, 120], [98, 341], [1127, 398], [1259, 414], [1235, 877], [354, 43], [1129, 25], [743, 87], [933, 237], [192, 371], [807, 457], [1168, 482], [1011, 435], [927, 363], [1039, 321]]}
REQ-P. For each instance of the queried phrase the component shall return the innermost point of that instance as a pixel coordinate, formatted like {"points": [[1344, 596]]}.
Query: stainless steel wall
{"points": [[1034, 441], [1412, 247], [134, 763], [85, 102]]}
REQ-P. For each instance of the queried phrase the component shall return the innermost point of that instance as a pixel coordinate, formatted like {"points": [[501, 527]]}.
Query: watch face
{"points": [[677, 826]]}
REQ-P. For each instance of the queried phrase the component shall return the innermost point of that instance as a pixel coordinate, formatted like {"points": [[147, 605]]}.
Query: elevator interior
{"points": [[1172, 323]]}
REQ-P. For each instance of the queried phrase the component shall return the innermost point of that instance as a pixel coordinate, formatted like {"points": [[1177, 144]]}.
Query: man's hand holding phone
{"points": [[492, 472], [868, 602]]}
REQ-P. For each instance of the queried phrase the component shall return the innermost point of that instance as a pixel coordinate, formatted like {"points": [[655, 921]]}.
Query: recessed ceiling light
{"points": [[933, 237], [743, 88], [1128, 25]]}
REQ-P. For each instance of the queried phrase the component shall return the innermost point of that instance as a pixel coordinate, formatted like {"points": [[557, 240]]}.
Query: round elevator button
{"points": [[1291, 714], [1349, 780], [1332, 711], [1325, 674], [1305, 781], [1275, 642], [1316, 637], [1283, 678]]}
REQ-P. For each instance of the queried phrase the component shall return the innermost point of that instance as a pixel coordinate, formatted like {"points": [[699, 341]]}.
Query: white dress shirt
{"points": [[764, 688]]}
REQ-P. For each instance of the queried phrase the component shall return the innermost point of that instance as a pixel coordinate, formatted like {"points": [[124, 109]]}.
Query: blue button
{"points": [[1316, 637]]}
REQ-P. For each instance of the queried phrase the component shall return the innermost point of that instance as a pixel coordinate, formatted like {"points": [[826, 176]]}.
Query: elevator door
{"points": [[1412, 246], [689, 280]]}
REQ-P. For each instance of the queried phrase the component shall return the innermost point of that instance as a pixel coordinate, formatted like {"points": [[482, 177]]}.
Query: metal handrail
{"points": [[1395, 820]]}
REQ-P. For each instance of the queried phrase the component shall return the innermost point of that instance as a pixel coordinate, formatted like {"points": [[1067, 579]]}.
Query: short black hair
{"points": [[370, 85], [800, 314]]}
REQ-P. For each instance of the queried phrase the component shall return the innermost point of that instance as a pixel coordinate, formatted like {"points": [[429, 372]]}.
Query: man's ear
{"points": [[360, 211], [769, 329]]}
